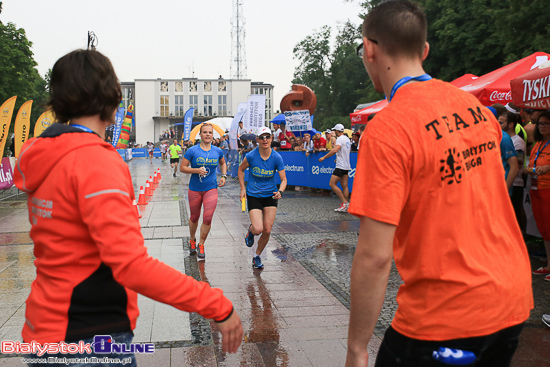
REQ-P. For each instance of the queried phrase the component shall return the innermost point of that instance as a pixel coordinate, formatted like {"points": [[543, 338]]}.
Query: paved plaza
{"points": [[295, 312]]}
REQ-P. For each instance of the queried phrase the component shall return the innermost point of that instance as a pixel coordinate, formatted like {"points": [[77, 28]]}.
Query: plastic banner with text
{"points": [[6, 174], [22, 126], [254, 118], [6, 111], [118, 124], [43, 122], [187, 122], [298, 120]]}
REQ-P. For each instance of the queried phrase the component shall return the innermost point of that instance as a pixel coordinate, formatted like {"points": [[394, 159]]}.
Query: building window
{"points": [[178, 111], [179, 86], [164, 106], [194, 103], [222, 105], [207, 106], [164, 87]]}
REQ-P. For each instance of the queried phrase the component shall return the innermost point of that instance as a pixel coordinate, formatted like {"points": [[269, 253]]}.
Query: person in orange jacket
{"points": [[90, 256]]}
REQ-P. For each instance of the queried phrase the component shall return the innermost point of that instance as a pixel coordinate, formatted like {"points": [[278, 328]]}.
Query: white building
{"points": [[160, 103]]}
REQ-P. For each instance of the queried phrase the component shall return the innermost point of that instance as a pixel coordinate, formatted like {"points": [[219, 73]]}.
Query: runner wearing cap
{"points": [[340, 174], [261, 192], [201, 161]]}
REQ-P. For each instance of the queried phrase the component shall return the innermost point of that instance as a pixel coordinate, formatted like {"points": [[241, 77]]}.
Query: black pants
{"points": [[491, 350], [517, 203]]}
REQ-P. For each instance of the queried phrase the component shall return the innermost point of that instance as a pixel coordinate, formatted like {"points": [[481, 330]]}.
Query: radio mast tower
{"points": [[238, 51]]}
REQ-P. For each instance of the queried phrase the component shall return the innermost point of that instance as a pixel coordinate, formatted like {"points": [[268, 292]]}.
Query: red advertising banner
{"points": [[6, 174]]}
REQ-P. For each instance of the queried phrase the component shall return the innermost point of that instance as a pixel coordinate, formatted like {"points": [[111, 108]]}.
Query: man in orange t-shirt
{"points": [[430, 191]]}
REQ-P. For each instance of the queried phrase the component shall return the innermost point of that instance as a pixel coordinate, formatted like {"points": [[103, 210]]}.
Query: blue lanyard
{"points": [[402, 81], [538, 152], [88, 130]]}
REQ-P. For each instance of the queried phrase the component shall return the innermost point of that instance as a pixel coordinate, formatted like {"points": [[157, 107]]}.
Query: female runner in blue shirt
{"points": [[261, 192], [201, 162]]}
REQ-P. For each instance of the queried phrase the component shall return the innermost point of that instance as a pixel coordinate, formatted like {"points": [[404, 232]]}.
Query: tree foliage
{"points": [[476, 36], [18, 74], [335, 74]]}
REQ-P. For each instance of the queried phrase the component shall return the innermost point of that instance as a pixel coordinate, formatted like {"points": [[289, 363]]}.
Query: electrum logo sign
{"points": [[316, 170]]}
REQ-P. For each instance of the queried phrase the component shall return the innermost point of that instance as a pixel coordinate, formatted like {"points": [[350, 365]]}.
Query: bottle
{"points": [[454, 357]]}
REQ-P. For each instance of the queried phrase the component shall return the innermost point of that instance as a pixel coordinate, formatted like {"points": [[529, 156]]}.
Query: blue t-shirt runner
{"points": [[507, 150], [261, 175], [198, 157]]}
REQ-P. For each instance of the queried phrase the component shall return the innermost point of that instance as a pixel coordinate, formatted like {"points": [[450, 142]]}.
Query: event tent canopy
{"points": [[360, 117], [494, 87], [532, 89]]}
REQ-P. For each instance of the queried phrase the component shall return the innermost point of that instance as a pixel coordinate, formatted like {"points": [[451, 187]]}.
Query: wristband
{"points": [[224, 176], [280, 192], [227, 317]]}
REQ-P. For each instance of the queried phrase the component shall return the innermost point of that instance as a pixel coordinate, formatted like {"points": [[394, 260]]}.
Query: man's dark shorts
{"points": [[174, 160], [260, 203], [340, 172]]}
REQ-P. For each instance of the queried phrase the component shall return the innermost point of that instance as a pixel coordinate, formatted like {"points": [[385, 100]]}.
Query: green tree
{"points": [[336, 75], [479, 36], [18, 74]]}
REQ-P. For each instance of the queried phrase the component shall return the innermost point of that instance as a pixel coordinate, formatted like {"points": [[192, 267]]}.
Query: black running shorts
{"points": [[260, 203], [339, 172], [174, 160]]}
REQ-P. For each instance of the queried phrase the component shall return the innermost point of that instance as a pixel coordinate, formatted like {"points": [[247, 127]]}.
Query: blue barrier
{"points": [[309, 172], [142, 153]]}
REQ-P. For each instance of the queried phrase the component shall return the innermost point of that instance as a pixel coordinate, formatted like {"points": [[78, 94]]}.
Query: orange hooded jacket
{"points": [[90, 254]]}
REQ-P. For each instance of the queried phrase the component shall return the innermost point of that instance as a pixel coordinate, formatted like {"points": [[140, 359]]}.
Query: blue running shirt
{"points": [[210, 160], [507, 150], [261, 177]]}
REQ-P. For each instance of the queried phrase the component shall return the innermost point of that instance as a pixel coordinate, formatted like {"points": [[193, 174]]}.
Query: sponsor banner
{"points": [[122, 153], [142, 153], [254, 118], [309, 172], [298, 120], [43, 122], [22, 126], [119, 117], [6, 174], [6, 112], [187, 122]]}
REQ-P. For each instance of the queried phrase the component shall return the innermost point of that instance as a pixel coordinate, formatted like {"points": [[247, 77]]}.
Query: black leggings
{"points": [[496, 349]]}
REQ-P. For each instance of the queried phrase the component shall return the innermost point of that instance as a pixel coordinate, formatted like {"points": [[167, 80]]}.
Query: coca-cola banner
{"points": [[532, 89], [494, 87], [6, 174]]}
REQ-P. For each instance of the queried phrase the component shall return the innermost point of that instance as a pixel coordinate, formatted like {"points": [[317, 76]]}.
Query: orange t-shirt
{"points": [[543, 182], [432, 168]]}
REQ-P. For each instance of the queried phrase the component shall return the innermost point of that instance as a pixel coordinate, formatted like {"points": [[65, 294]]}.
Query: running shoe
{"points": [[340, 208], [200, 255], [541, 271], [546, 319], [174, 175], [257, 262], [249, 238], [192, 247], [547, 278]]}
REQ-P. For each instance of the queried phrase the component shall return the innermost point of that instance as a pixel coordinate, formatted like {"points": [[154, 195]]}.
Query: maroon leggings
{"points": [[199, 198]]}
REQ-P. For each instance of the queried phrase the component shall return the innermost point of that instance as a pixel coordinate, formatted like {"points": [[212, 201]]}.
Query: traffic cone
{"points": [[141, 199], [158, 172], [155, 178], [137, 209], [148, 191], [151, 185]]}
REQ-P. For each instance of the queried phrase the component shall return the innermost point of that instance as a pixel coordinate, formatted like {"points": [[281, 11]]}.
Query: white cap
{"points": [[263, 130], [338, 127]]}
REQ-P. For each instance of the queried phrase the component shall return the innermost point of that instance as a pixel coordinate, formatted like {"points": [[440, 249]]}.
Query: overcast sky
{"points": [[171, 39]]}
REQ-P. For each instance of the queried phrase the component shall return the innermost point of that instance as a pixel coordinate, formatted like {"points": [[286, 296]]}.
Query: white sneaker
{"points": [[341, 208], [346, 206]]}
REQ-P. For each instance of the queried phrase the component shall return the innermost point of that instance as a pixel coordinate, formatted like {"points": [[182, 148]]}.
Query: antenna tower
{"points": [[238, 51]]}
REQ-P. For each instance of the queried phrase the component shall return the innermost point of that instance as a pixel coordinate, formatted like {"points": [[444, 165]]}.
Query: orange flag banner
{"points": [[22, 126], [43, 122], [6, 112]]}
